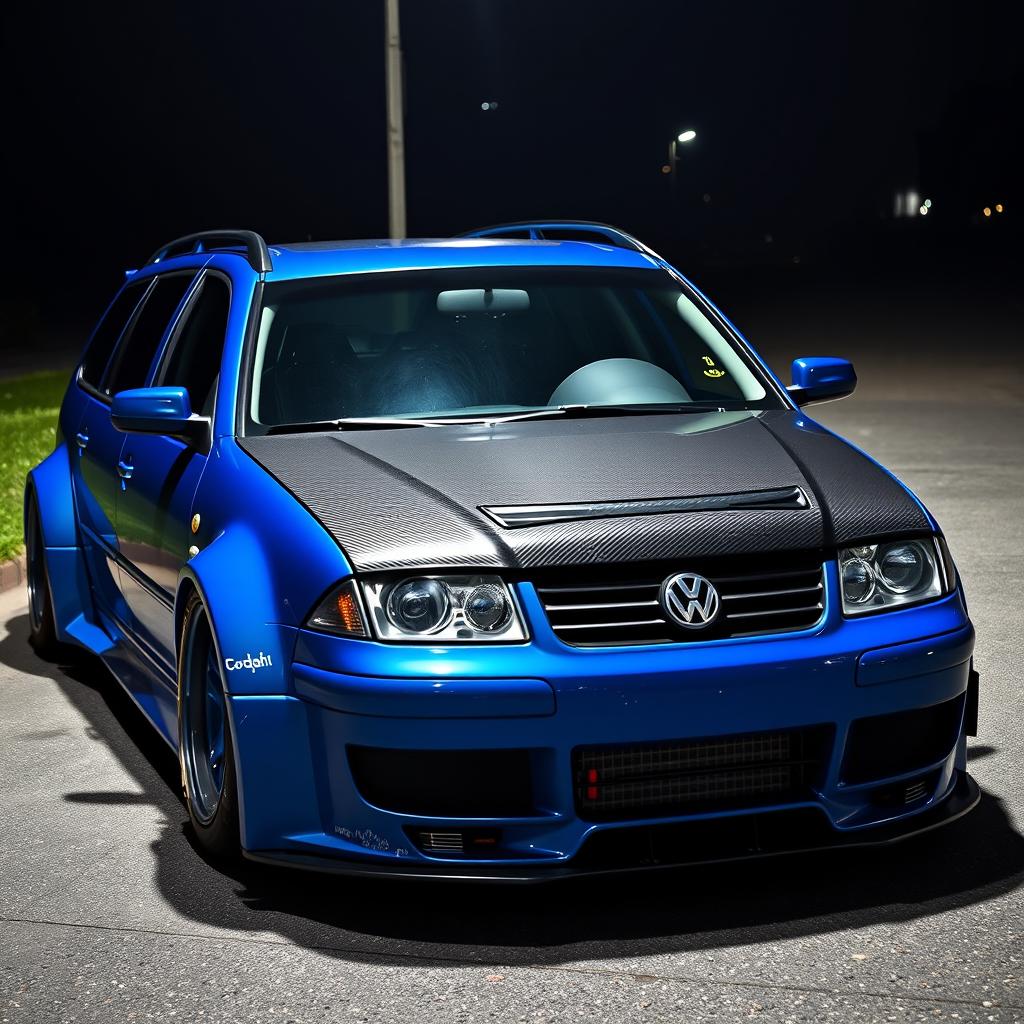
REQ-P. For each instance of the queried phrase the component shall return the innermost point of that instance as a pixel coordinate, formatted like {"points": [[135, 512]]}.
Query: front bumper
{"points": [[301, 803]]}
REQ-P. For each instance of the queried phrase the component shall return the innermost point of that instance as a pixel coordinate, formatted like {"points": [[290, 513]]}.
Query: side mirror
{"points": [[821, 379], [158, 411]]}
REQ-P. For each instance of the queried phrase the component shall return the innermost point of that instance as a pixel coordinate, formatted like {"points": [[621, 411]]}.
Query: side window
{"points": [[193, 358], [108, 330], [139, 343]]}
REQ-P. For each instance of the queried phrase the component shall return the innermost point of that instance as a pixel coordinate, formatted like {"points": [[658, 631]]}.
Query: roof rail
{"points": [[256, 250], [551, 228]]}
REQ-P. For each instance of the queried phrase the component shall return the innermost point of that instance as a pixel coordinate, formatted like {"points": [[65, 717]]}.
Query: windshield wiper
{"points": [[583, 411], [355, 423], [566, 411]]}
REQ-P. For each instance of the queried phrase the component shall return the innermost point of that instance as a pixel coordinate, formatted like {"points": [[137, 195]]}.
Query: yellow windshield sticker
{"points": [[712, 370]]}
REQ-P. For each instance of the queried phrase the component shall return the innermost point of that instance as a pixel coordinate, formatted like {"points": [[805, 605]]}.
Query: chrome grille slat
{"points": [[774, 611], [770, 593], [787, 595], [610, 625], [613, 586], [759, 576], [595, 607]]}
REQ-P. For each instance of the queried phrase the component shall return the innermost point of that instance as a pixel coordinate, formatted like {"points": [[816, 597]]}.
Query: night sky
{"points": [[129, 124]]}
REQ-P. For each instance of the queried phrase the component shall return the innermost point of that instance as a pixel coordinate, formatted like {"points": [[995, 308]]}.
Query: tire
{"points": [[42, 628], [204, 738]]}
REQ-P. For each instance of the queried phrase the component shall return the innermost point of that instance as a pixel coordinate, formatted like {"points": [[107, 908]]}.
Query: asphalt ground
{"points": [[108, 912]]}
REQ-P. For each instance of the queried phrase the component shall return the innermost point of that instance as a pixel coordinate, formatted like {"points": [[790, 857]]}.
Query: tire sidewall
{"points": [[220, 835]]}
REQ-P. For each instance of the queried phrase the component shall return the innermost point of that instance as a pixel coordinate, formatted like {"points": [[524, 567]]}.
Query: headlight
{"points": [[429, 609], [893, 575]]}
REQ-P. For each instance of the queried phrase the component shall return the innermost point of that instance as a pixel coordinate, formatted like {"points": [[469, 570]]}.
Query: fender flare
{"points": [[245, 616], [73, 612], [51, 480]]}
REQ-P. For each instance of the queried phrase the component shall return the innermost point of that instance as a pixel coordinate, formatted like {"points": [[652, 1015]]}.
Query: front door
{"points": [[155, 510], [106, 466]]}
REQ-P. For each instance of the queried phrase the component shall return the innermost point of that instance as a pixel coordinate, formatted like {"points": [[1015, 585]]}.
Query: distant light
{"points": [[999, 207], [489, 105], [924, 210], [987, 212], [688, 136], [665, 169], [928, 203]]}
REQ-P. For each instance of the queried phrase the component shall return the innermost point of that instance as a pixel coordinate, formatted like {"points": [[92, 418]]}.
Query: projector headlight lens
{"points": [[486, 608], [858, 581], [448, 609], [902, 568], [877, 577], [419, 606]]}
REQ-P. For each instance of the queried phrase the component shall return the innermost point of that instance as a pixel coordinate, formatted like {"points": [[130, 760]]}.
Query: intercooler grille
{"points": [[689, 776], [757, 597]]}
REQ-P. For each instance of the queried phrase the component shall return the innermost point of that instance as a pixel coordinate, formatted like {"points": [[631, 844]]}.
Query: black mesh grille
{"points": [[759, 595], [886, 745], [445, 783], [688, 776]]}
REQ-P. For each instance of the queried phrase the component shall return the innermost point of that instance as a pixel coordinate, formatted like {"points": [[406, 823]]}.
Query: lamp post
{"points": [[673, 147], [396, 117], [673, 160]]}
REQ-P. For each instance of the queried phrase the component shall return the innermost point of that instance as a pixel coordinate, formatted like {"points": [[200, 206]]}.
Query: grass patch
{"points": [[28, 425]]}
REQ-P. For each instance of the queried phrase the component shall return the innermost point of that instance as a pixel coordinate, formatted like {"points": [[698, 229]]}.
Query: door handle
{"points": [[82, 440], [124, 471]]}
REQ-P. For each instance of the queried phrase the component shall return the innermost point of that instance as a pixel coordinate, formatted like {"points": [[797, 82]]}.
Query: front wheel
{"points": [[204, 734]]}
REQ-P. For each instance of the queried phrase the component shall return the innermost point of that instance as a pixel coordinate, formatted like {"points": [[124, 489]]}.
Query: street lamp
{"points": [[673, 149], [673, 158]]}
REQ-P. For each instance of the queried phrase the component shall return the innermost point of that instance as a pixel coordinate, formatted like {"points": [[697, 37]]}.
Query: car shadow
{"points": [[975, 859]]}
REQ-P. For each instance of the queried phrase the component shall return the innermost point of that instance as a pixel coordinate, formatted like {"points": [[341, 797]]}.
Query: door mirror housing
{"points": [[159, 411], [821, 379]]}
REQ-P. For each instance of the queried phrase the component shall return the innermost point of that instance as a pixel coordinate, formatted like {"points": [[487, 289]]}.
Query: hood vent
{"points": [[513, 517]]}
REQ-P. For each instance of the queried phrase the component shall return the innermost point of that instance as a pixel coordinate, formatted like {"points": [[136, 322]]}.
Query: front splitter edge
{"points": [[963, 798]]}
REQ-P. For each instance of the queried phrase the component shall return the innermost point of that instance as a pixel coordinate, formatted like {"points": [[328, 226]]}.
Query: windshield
{"points": [[489, 342]]}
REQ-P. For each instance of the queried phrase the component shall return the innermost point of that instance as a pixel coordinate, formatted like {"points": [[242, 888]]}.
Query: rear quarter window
{"points": [[130, 364]]}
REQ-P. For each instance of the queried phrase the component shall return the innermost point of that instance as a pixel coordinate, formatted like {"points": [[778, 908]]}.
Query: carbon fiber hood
{"points": [[413, 497]]}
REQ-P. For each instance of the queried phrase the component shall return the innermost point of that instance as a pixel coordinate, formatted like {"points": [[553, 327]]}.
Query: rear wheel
{"points": [[42, 629], [204, 733]]}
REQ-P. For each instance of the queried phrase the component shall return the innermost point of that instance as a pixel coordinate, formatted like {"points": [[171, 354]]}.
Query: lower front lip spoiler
{"points": [[963, 798]]}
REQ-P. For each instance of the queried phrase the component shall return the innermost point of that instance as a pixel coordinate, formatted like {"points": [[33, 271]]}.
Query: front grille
{"points": [[691, 776], [759, 595]]}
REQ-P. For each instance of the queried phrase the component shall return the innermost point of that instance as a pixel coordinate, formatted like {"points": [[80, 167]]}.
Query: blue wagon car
{"points": [[502, 556]]}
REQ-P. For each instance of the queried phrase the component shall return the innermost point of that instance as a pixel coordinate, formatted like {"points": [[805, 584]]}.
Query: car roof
{"points": [[322, 259]]}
